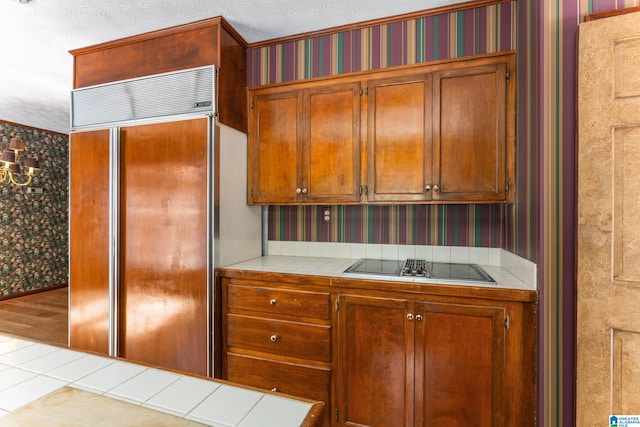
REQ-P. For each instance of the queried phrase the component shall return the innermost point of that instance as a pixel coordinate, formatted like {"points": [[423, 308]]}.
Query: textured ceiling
{"points": [[36, 71]]}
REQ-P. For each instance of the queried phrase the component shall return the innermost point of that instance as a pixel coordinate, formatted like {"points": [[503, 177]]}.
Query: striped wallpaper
{"points": [[470, 225], [461, 33], [468, 32], [540, 226]]}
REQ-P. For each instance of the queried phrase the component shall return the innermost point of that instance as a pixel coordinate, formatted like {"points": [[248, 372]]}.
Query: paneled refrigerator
{"points": [[150, 220]]}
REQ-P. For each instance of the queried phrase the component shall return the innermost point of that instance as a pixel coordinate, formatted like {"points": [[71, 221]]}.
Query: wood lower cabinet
{"points": [[383, 354], [407, 362], [278, 338], [421, 364]]}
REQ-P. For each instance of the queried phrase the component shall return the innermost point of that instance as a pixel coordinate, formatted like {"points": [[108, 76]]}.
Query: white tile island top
{"points": [[29, 371]]}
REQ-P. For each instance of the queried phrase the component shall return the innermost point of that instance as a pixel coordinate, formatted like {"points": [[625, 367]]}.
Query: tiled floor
{"points": [[31, 370]]}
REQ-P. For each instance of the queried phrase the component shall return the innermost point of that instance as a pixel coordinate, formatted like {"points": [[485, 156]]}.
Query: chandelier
{"points": [[11, 168]]}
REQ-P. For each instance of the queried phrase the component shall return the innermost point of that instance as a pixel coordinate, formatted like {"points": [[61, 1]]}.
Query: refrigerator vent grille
{"points": [[161, 96]]}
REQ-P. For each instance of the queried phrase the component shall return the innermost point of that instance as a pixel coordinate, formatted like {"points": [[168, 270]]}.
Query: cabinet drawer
{"points": [[279, 301], [288, 378], [282, 337]]}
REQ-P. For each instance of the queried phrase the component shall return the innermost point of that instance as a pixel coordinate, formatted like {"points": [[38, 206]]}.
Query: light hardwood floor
{"points": [[41, 316]]}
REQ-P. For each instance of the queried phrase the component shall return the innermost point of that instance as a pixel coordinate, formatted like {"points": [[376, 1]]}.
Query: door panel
{"points": [[89, 241], [608, 278], [332, 163], [376, 362], [470, 146], [400, 138], [163, 279], [461, 350], [273, 148]]}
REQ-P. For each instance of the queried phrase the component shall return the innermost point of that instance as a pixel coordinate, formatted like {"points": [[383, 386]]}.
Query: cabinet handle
{"points": [[304, 190], [274, 338], [273, 301], [428, 187], [298, 190], [436, 187], [419, 317], [410, 316]]}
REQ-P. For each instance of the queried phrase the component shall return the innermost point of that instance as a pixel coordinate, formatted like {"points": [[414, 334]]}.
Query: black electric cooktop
{"points": [[419, 270]]}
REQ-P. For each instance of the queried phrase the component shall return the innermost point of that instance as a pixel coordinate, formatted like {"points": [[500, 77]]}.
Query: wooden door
{"points": [[273, 147], [470, 138], [163, 255], [375, 367], [399, 133], [460, 365], [331, 153], [89, 240], [608, 266]]}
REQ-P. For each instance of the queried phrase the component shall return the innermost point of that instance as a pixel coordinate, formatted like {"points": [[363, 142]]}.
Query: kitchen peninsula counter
{"points": [[57, 386]]}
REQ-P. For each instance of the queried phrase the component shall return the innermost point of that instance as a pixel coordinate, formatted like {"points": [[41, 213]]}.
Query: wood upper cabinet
{"points": [[275, 128], [400, 146], [471, 142], [410, 363], [438, 133], [304, 144]]}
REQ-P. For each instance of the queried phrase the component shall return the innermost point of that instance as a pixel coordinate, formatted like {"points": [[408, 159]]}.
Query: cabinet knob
{"points": [[298, 190], [419, 317], [436, 187], [410, 316], [273, 301], [274, 338], [427, 187], [304, 190]]}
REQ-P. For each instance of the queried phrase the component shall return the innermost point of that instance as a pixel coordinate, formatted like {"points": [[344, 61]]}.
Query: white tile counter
{"points": [[30, 370], [508, 270]]}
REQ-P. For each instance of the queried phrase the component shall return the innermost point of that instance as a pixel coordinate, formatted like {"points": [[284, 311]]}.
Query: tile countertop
{"points": [[30, 370], [334, 267]]}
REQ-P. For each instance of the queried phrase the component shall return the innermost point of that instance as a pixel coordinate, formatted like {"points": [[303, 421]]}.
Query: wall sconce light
{"points": [[10, 166]]}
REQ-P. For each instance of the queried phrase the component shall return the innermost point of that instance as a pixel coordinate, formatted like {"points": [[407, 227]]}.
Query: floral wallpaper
{"points": [[33, 227]]}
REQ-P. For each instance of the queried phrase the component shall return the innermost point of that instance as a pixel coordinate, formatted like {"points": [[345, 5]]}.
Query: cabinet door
{"points": [[470, 141], [89, 241], [331, 154], [459, 365], [376, 351], [275, 130], [399, 137], [163, 245]]}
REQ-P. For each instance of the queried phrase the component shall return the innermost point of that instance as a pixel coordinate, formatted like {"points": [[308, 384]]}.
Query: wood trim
{"points": [[380, 21], [35, 128], [608, 13], [177, 29], [31, 292], [381, 73], [339, 284]]}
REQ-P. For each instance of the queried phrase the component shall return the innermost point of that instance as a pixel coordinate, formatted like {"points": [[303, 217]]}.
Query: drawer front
{"points": [[279, 301], [288, 378], [282, 337]]}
